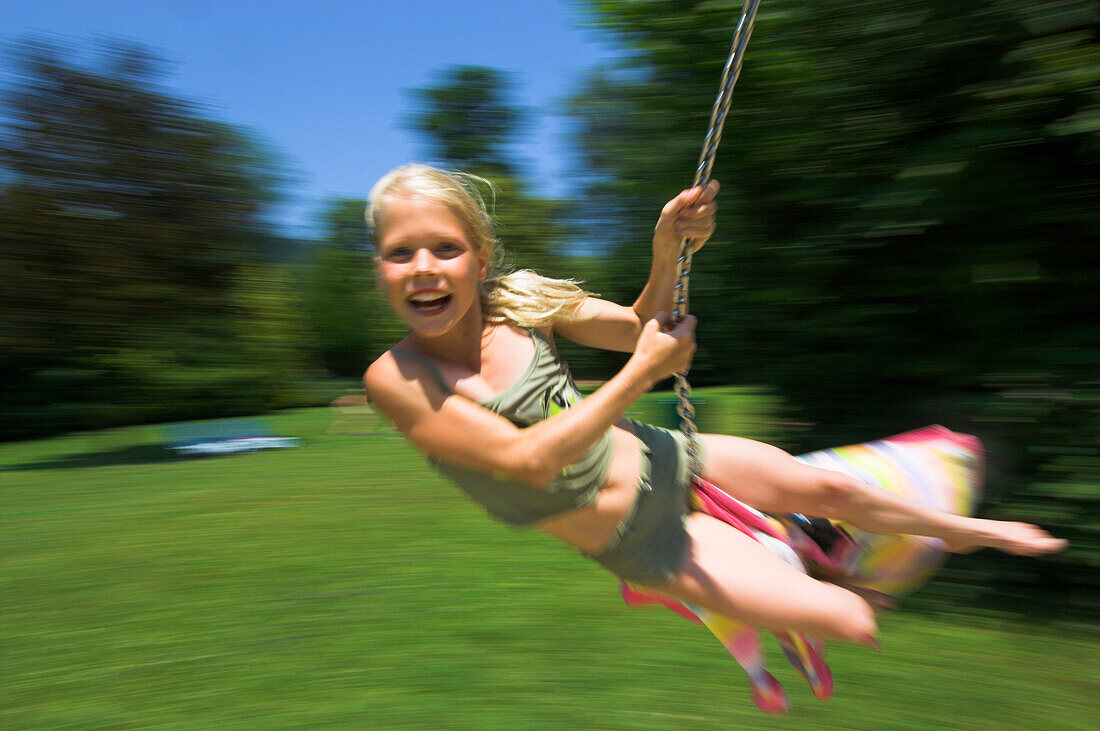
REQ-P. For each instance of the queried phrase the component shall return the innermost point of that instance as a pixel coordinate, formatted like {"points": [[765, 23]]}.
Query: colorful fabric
{"points": [[932, 466]]}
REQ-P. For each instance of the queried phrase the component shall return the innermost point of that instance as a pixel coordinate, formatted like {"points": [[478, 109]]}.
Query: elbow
{"points": [[637, 323], [539, 475], [537, 470]]}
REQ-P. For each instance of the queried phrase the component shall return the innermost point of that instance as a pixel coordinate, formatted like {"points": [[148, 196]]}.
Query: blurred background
{"points": [[910, 207]]}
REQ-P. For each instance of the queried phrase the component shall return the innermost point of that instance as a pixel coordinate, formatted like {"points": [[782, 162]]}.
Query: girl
{"points": [[477, 385]]}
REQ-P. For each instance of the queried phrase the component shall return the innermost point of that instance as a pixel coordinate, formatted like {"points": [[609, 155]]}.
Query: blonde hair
{"points": [[522, 298]]}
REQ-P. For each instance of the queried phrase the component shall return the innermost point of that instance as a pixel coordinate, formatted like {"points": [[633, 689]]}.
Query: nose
{"points": [[423, 261]]}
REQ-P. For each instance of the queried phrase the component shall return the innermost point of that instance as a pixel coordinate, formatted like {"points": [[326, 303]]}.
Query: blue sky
{"points": [[327, 81]]}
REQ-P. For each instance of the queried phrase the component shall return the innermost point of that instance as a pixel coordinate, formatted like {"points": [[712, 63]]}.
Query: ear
{"points": [[483, 268]]}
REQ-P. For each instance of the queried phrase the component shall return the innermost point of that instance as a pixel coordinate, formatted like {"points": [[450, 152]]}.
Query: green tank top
{"points": [[546, 388]]}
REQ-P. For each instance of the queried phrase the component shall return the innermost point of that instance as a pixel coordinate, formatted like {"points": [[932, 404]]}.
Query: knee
{"points": [[857, 622], [836, 492]]}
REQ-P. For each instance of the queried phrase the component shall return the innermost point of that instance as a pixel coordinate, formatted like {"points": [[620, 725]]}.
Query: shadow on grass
{"points": [[136, 454]]}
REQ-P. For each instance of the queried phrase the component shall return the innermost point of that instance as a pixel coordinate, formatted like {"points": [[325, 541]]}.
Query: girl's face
{"points": [[427, 266]]}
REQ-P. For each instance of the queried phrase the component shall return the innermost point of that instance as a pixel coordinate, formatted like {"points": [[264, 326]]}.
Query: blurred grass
{"points": [[343, 584]]}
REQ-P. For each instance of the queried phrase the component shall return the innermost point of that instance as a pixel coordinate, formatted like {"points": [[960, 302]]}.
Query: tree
{"points": [[348, 317], [887, 190], [343, 224], [911, 204], [127, 217], [468, 120]]}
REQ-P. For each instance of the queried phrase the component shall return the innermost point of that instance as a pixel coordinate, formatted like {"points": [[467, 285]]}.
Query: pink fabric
{"points": [[932, 466], [740, 638]]}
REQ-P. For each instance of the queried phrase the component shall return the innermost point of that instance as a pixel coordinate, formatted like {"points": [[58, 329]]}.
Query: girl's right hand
{"points": [[664, 349]]}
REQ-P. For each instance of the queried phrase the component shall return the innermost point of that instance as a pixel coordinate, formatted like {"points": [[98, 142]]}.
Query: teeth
{"points": [[427, 297]]}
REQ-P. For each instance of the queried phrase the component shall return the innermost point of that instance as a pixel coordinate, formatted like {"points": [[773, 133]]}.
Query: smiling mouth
{"points": [[429, 304]]}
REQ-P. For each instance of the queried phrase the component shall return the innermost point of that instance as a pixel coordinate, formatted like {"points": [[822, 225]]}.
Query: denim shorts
{"points": [[649, 544]]}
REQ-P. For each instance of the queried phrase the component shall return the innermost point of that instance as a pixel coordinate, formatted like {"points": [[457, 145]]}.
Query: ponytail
{"points": [[526, 299]]}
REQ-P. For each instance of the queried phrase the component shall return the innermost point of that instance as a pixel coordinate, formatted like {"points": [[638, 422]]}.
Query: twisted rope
{"points": [[730, 72]]}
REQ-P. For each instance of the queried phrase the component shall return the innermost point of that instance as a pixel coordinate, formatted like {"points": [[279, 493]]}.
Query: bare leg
{"points": [[730, 573], [769, 479]]}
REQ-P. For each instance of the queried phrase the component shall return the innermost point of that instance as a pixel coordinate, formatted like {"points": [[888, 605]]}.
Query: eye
{"points": [[448, 249], [398, 254]]}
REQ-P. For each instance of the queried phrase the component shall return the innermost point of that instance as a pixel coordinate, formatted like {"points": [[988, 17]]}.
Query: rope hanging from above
{"points": [[730, 73], [933, 467]]}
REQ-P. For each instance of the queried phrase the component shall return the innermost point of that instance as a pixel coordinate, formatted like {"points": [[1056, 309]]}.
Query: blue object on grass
{"points": [[223, 436]]}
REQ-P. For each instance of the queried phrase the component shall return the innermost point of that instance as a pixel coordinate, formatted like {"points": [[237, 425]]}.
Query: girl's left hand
{"points": [[689, 215]]}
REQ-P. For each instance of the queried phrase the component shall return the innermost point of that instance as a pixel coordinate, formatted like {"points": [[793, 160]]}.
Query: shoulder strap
{"points": [[429, 364], [539, 336]]}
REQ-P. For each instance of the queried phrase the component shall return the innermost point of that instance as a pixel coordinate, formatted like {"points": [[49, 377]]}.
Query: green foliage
{"points": [[271, 331], [128, 217], [335, 300], [909, 208], [883, 193], [123, 203], [349, 320], [1045, 467], [468, 119], [529, 228], [746, 411], [343, 223]]}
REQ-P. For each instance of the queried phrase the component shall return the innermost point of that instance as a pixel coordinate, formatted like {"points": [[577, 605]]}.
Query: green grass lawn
{"points": [[343, 584]]}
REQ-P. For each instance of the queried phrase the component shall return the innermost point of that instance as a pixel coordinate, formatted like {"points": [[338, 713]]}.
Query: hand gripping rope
{"points": [[702, 175], [931, 466]]}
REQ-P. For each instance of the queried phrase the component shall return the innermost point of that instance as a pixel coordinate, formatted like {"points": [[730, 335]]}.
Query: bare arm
{"points": [[602, 324], [441, 424]]}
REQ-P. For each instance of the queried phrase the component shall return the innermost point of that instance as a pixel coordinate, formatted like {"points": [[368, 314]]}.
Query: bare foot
{"points": [[1022, 539]]}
